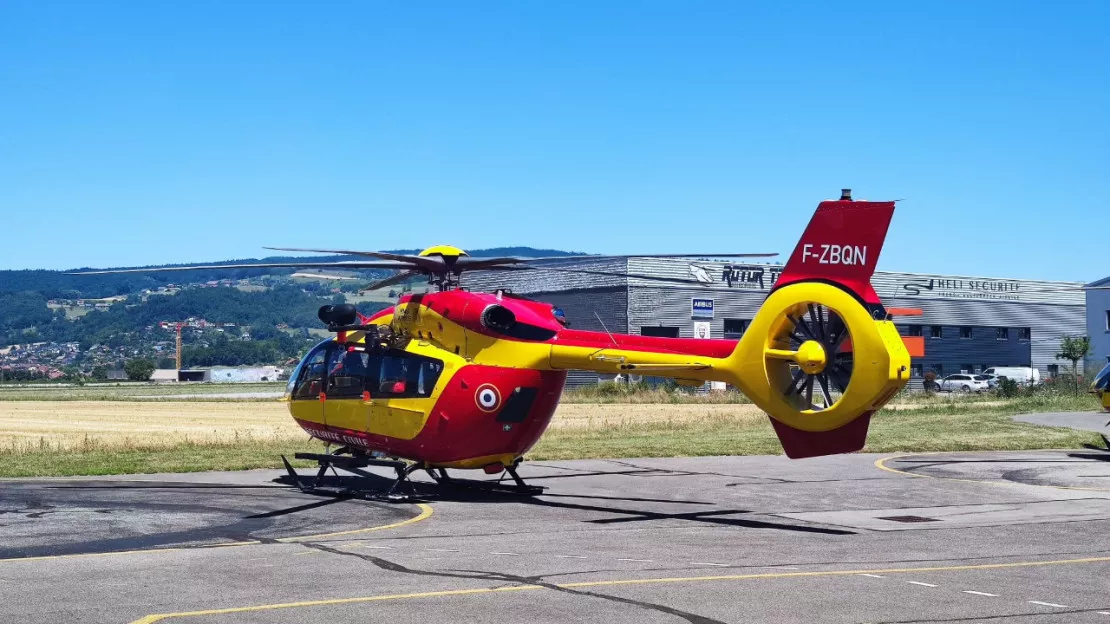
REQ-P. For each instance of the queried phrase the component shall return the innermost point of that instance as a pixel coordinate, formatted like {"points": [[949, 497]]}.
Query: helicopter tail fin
{"points": [[841, 246]]}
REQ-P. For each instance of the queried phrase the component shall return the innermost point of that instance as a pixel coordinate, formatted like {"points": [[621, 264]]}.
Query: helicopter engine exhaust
{"points": [[498, 318]]}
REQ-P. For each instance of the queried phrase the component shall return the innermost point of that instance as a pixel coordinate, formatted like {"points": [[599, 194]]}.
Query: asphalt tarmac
{"points": [[964, 537]]}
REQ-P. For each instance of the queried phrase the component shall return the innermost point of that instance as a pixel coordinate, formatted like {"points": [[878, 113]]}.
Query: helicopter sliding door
{"points": [[402, 393], [350, 374]]}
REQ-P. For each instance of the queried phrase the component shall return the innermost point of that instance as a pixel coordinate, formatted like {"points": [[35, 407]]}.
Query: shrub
{"points": [[1007, 387]]}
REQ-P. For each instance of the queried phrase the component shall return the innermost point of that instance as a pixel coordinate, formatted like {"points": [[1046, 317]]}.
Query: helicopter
{"points": [[457, 380]]}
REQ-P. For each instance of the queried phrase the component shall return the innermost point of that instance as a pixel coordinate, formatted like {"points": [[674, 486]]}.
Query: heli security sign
{"points": [[701, 308]]}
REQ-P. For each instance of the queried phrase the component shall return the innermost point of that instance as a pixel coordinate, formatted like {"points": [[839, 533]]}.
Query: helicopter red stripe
{"points": [[714, 348]]}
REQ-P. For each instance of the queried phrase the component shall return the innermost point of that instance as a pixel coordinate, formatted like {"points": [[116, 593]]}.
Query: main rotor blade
{"points": [[639, 276], [390, 281], [385, 255], [692, 256], [343, 264], [431, 263]]}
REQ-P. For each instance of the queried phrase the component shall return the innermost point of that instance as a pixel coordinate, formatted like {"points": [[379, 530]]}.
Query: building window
{"points": [[913, 330], [939, 370], [965, 332], [659, 331], [978, 368], [1108, 320], [1053, 370], [915, 370], [1024, 333], [734, 328], [966, 368], [1002, 333], [936, 331]]}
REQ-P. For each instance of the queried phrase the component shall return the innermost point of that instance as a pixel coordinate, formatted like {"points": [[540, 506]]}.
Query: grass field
{"points": [[72, 437], [126, 390]]}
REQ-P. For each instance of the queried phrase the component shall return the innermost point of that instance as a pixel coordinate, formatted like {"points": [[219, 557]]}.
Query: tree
{"points": [[1074, 348], [100, 373], [139, 369]]}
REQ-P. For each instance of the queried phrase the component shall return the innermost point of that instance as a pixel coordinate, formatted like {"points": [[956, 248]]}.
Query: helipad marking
{"points": [[881, 465], [425, 513], [158, 617]]}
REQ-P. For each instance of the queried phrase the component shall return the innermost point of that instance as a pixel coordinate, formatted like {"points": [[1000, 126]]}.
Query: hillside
{"points": [[236, 316], [56, 284]]}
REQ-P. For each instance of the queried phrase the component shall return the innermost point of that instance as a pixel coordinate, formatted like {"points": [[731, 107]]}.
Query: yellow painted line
{"points": [[425, 513], [881, 465], [158, 617]]}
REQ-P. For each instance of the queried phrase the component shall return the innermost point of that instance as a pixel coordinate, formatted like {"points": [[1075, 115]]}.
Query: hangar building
{"points": [[1098, 322], [968, 323]]}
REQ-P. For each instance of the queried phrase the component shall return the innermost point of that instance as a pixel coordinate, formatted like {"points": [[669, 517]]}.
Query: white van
{"points": [[1024, 375]]}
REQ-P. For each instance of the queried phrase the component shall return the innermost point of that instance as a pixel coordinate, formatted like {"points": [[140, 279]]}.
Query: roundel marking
{"points": [[487, 397]]}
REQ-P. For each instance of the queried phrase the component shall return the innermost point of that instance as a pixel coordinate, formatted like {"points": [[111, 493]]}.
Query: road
{"points": [[1005, 537]]}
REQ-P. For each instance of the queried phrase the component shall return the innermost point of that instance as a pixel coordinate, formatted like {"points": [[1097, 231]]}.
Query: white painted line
{"points": [[376, 547], [1048, 604], [975, 593], [311, 552], [921, 584], [572, 556], [442, 549], [636, 560], [506, 553], [873, 575], [720, 565], [1103, 612], [778, 567], [257, 559]]}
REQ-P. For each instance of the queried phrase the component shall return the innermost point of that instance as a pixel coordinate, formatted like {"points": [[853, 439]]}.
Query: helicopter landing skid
{"points": [[353, 464], [517, 487]]}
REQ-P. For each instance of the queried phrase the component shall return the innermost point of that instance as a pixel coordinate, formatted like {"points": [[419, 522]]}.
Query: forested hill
{"points": [[58, 285]]}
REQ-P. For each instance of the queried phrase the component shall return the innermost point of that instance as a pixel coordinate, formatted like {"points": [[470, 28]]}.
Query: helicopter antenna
{"points": [[598, 317]]}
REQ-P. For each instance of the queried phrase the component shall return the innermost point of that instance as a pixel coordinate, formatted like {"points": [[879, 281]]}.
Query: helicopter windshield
{"points": [[312, 360]]}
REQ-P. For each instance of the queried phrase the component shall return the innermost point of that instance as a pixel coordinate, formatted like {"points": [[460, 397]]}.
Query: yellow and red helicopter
{"points": [[454, 379]]}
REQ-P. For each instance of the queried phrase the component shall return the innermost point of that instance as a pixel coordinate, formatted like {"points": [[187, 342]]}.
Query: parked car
{"points": [[1023, 375], [992, 380], [963, 382]]}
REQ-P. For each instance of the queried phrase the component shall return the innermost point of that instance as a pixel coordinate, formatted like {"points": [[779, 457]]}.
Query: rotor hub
{"points": [[811, 357]]}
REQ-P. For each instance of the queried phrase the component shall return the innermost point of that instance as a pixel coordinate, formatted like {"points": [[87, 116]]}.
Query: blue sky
{"points": [[150, 132]]}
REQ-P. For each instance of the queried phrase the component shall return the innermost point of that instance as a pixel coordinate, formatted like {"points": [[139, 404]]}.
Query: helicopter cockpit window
{"points": [[309, 381], [407, 375]]}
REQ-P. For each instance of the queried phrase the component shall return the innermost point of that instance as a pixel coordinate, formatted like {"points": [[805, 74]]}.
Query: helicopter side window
{"points": [[407, 375], [347, 373], [310, 381]]}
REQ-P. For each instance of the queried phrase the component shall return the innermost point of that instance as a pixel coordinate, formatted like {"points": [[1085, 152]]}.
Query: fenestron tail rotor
{"points": [[820, 366]]}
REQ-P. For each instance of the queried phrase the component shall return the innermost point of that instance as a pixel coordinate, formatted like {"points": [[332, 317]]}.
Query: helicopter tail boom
{"points": [[820, 356]]}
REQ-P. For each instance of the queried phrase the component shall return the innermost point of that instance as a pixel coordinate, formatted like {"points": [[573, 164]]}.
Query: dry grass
{"points": [[27, 426], [116, 437], [578, 416], [30, 426]]}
